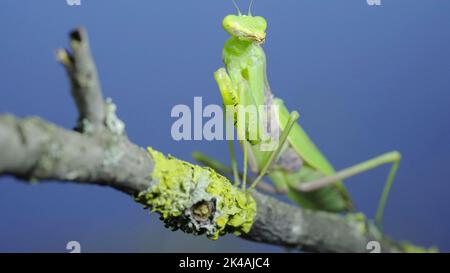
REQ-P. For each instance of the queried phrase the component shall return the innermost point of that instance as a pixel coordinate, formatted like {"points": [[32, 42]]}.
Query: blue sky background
{"points": [[365, 80]]}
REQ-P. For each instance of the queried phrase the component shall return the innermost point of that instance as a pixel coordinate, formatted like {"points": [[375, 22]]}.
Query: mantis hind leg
{"points": [[391, 157]]}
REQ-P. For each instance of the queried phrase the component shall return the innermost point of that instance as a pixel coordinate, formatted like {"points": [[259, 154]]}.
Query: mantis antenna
{"points": [[237, 7], [250, 8]]}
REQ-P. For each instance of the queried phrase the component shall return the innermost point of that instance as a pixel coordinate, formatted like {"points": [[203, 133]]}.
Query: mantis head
{"points": [[246, 27]]}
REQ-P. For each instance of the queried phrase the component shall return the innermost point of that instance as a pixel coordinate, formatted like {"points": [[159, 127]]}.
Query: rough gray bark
{"points": [[86, 89], [33, 149], [281, 224]]}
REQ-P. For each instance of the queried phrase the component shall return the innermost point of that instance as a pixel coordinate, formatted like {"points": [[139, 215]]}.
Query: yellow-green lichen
{"points": [[196, 199]]}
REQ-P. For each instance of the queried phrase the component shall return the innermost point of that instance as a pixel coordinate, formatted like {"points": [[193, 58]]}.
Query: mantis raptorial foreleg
{"points": [[229, 91], [391, 157], [230, 94]]}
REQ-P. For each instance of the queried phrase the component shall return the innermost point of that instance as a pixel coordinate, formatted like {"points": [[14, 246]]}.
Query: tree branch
{"points": [[33, 149], [86, 89]]}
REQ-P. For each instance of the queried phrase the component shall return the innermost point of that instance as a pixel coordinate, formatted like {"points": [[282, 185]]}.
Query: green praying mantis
{"points": [[296, 166]]}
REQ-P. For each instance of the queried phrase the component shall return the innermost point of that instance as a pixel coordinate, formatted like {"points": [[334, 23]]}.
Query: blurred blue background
{"points": [[365, 80]]}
